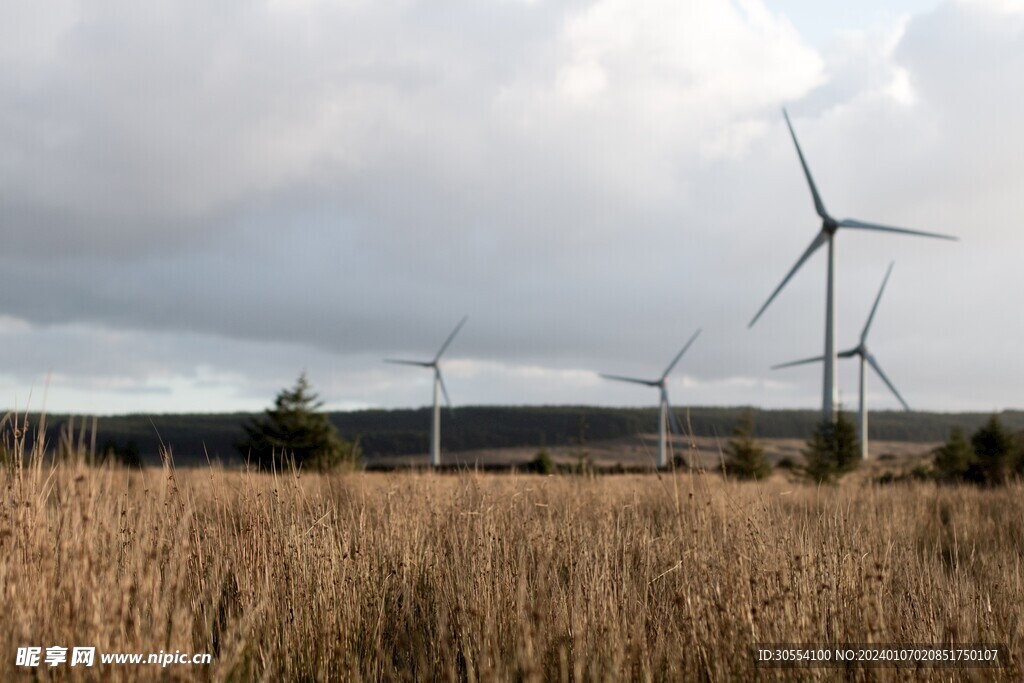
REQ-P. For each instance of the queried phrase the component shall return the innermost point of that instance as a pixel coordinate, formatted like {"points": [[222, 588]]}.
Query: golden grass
{"points": [[497, 577]]}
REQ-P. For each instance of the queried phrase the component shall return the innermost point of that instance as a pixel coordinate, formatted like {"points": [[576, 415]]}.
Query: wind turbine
{"points": [[826, 236], [665, 410], [861, 350], [435, 425]]}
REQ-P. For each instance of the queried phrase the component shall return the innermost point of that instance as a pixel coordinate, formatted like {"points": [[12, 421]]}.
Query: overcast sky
{"points": [[198, 201]]}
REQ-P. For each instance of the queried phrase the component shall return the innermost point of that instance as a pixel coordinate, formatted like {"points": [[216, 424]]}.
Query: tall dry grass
{"points": [[487, 577]]}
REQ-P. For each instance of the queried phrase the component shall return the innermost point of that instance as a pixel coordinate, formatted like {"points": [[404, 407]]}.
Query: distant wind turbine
{"points": [[861, 350], [665, 410], [829, 227], [435, 425]]}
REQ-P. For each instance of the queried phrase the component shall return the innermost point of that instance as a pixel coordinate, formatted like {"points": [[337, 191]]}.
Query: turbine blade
{"points": [[419, 363], [805, 361], [871, 360], [867, 325], [818, 241], [679, 355], [634, 380], [450, 337], [861, 225], [818, 205], [444, 390]]}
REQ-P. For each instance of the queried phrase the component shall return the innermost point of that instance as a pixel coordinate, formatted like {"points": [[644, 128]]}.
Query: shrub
{"points": [[127, 455], [1018, 454], [788, 463], [541, 463], [680, 462], [744, 457], [991, 457]]}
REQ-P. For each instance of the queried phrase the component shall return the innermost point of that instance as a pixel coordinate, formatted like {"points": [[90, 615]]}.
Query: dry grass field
{"points": [[420, 576]]}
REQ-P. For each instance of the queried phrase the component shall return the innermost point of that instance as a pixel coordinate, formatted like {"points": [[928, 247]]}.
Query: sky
{"points": [[200, 201]]}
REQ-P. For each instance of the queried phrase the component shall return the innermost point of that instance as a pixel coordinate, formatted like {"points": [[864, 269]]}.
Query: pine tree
{"points": [[833, 450], [992, 445], [953, 459], [1018, 454], [294, 431], [745, 458]]}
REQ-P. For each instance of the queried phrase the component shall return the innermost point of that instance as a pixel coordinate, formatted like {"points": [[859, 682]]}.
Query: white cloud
{"points": [[669, 63], [994, 6]]}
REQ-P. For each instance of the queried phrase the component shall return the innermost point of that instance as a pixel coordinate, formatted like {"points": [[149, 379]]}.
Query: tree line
{"points": [[195, 438]]}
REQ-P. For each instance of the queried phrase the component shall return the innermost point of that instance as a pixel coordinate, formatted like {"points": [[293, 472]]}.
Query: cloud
{"points": [[589, 182]]}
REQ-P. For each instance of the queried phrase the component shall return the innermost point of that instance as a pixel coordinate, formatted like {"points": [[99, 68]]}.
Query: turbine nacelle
{"points": [[861, 351]]}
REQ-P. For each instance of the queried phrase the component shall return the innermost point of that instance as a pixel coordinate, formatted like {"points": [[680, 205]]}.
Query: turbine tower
{"points": [[665, 410], [826, 236], [861, 351], [435, 425]]}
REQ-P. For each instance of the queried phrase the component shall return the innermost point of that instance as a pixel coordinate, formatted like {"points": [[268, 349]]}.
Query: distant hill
{"points": [[194, 438]]}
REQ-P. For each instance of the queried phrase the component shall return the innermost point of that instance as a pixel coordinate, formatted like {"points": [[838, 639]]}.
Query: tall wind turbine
{"points": [[861, 350], [826, 236], [665, 410], [435, 425]]}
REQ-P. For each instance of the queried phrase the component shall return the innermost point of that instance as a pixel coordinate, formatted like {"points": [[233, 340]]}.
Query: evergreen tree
{"points": [[1018, 454], [127, 455], [542, 463], [744, 457], [993, 446], [953, 460], [293, 430], [833, 450]]}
